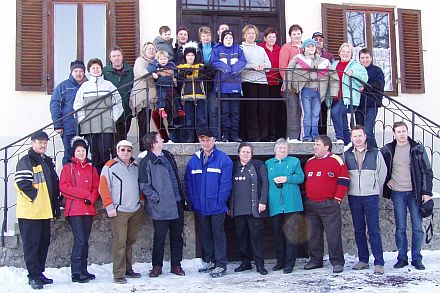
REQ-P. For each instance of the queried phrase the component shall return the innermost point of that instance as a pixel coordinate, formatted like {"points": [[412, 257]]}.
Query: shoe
{"points": [[80, 278], [338, 269], [224, 138], [218, 272], [35, 283], [311, 266], [177, 270], [292, 140], [400, 264], [163, 113], [338, 141], [378, 270], [45, 280], [307, 139], [91, 276], [120, 280], [287, 270], [361, 266], [262, 270], [155, 272], [242, 268], [181, 113], [417, 264], [235, 139], [278, 266], [132, 274], [208, 267]]}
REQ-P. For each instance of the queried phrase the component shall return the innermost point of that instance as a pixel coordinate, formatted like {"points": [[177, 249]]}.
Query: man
{"points": [[367, 171], [408, 184], [159, 181], [61, 104], [37, 188], [222, 27], [208, 180], [119, 190], [326, 185], [371, 97], [121, 75]]}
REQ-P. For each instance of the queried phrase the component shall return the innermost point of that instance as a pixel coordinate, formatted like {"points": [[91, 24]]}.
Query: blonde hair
{"points": [[248, 27], [204, 30], [161, 53], [349, 47]]}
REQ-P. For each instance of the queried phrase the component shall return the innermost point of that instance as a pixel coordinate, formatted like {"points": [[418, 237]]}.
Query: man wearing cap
{"points": [[61, 105], [208, 180], [120, 195], [36, 183]]}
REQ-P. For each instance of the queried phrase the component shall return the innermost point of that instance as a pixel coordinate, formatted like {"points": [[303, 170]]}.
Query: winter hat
{"points": [[308, 42], [79, 141], [190, 47], [317, 34], [39, 135], [224, 33], [77, 64]]}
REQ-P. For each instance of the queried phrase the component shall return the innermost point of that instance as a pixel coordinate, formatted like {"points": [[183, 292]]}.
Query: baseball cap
{"points": [[124, 142], [317, 34], [205, 132]]}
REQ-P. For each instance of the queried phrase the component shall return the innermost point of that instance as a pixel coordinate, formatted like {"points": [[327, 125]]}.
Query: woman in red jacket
{"points": [[79, 182]]}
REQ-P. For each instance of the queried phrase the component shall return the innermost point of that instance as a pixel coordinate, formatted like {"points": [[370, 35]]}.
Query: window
{"points": [[241, 5]]}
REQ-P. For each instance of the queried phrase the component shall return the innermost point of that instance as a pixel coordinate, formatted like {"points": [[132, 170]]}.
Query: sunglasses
{"points": [[126, 150]]}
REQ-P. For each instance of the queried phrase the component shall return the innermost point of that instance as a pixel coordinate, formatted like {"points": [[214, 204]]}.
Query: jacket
{"points": [[208, 186], [37, 186], [273, 76], [155, 184], [162, 81], [61, 104], [167, 46], [421, 172], [79, 182], [143, 88], [209, 72], [372, 97], [124, 83], [99, 114], [229, 61], [118, 186], [371, 178], [255, 55], [192, 88], [288, 198]]}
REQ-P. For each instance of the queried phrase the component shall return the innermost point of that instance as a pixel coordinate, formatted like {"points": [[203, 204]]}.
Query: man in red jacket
{"points": [[327, 183]]}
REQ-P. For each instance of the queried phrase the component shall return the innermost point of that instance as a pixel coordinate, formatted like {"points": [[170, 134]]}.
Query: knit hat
{"points": [[40, 135], [308, 42], [224, 33], [79, 141], [190, 47], [77, 64], [317, 34]]}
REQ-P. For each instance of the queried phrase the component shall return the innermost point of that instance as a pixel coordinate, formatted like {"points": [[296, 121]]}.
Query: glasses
{"points": [[125, 150]]}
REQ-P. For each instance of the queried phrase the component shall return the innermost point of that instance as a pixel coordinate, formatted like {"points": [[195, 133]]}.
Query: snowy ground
{"points": [[320, 280]]}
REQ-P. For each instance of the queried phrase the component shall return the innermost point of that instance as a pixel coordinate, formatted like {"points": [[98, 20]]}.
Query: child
{"points": [[229, 59], [164, 42]]}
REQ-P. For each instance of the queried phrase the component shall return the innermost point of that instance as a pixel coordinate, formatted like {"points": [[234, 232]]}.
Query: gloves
{"points": [[87, 202]]}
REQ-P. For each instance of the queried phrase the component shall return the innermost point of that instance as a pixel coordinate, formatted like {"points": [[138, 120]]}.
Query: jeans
{"points": [[195, 118], [230, 112], [81, 227], [213, 239], [365, 212], [311, 102], [339, 113], [213, 113], [403, 201], [67, 143], [367, 118]]}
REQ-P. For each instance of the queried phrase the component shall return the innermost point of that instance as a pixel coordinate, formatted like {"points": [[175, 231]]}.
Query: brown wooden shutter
{"points": [[30, 72], [125, 28], [411, 54], [334, 26]]}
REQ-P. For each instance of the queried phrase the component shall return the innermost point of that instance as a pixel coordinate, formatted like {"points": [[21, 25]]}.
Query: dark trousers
{"points": [[35, 235], [161, 228], [324, 216], [293, 120], [284, 232], [213, 112], [101, 145], [195, 118], [322, 127], [67, 143], [213, 239], [277, 113], [367, 118], [254, 114], [142, 119], [122, 128], [81, 227], [230, 113], [250, 235]]}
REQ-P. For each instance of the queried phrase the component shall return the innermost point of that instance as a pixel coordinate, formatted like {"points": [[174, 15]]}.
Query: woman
{"points": [[79, 183], [346, 68], [248, 207], [285, 175]]}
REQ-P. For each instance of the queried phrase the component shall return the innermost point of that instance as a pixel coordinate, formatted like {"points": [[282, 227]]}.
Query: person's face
{"points": [[271, 39], [296, 36], [245, 154], [365, 59], [95, 70], [345, 54], [158, 145], [281, 151], [182, 37], [190, 57], [116, 58], [163, 60], [228, 41], [319, 149], [124, 153], [166, 35], [80, 153], [310, 50], [39, 146], [222, 28], [78, 74], [205, 38], [150, 51], [319, 42], [206, 143], [401, 134], [358, 138], [250, 36]]}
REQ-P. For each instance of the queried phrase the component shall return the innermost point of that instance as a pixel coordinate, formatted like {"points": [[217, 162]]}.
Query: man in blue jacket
{"points": [[61, 105], [208, 180]]}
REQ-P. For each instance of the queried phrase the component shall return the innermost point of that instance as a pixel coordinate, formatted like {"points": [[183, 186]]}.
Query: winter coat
{"points": [[421, 172], [209, 71], [79, 182], [166, 46], [273, 76], [99, 114], [162, 81], [255, 55], [230, 61], [61, 104], [155, 184], [37, 186], [208, 186], [372, 97], [143, 88], [192, 88], [288, 198]]}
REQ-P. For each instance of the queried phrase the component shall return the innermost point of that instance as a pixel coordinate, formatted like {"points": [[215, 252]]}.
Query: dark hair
{"points": [[115, 48], [164, 29], [358, 127], [325, 140], [270, 30], [365, 51], [398, 124], [149, 140], [245, 144], [94, 61], [181, 28], [295, 27]]}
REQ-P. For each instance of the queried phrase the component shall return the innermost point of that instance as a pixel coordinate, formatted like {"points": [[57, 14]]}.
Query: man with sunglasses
{"points": [[120, 195]]}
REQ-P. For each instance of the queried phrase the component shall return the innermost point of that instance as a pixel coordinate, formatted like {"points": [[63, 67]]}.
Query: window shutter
{"points": [[333, 27], [30, 72], [411, 54], [125, 28]]}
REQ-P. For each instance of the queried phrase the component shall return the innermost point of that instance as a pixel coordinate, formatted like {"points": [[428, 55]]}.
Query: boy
{"points": [[164, 42]]}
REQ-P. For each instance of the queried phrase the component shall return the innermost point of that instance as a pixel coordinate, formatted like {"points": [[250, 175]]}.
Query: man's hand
{"points": [[391, 184], [261, 208], [112, 213], [426, 198], [59, 130]]}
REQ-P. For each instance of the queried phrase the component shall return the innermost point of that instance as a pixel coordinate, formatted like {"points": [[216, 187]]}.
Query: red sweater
{"points": [[326, 178]]}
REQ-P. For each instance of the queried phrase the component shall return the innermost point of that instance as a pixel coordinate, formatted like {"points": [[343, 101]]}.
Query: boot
{"points": [[225, 135], [234, 136], [80, 278]]}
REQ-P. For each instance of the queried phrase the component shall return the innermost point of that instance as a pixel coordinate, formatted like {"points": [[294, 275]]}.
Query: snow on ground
{"points": [[320, 280]]}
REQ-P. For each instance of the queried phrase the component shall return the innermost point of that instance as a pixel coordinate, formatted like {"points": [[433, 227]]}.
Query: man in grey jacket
{"points": [[367, 171]]}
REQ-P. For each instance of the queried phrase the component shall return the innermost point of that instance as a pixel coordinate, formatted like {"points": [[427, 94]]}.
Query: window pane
{"points": [[380, 28], [65, 33], [260, 5], [95, 32], [356, 30], [195, 4]]}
